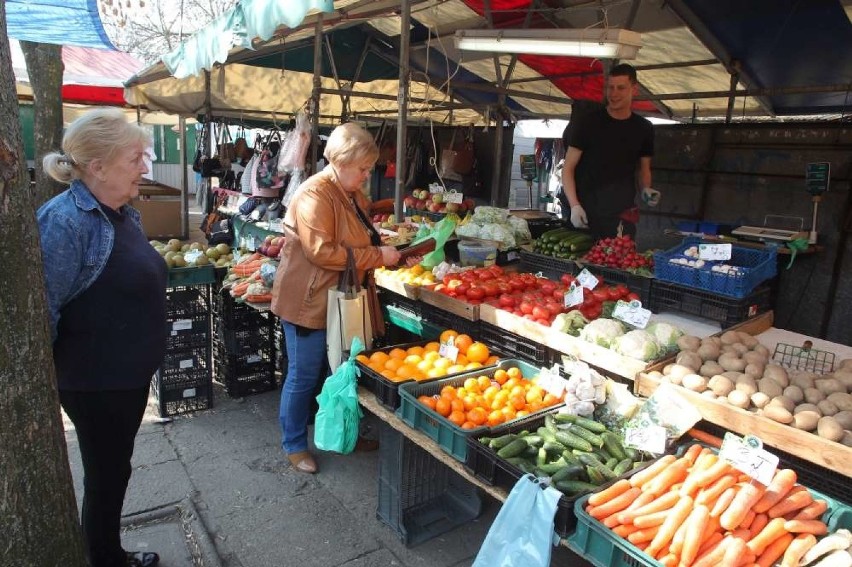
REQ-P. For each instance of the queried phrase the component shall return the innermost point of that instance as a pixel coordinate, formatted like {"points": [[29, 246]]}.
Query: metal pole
{"points": [[184, 181], [498, 162], [402, 119], [315, 96], [208, 128], [735, 78]]}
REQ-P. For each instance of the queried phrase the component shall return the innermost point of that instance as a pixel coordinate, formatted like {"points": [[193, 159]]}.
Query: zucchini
{"points": [[613, 446], [574, 487], [499, 442], [581, 431], [513, 449], [573, 441]]}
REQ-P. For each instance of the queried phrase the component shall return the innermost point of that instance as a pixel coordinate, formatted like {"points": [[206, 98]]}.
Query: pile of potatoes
{"points": [[735, 368]]}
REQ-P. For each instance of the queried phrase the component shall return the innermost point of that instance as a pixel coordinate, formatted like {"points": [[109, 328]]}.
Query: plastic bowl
{"points": [[477, 254]]}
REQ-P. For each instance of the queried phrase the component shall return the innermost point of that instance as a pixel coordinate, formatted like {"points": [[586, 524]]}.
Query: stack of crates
{"points": [[244, 347], [183, 382]]}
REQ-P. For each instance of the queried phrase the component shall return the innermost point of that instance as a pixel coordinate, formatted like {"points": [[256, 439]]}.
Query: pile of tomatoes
{"points": [[481, 284], [619, 252]]}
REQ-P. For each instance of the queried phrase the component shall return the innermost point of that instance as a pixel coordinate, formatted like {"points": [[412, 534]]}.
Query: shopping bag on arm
{"points": [[522, 533], [336, 423], [348, 314]]}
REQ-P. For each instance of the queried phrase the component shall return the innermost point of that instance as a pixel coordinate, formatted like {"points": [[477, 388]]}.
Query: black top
{"points": [[113, 335], [606, 173]]}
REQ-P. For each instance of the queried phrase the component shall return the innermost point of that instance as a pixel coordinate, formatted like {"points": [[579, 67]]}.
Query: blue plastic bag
{"points": [[522, 533], [339, 415]]}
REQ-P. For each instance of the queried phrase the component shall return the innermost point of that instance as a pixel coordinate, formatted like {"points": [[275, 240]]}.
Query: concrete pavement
{"points": [[213, 488]]}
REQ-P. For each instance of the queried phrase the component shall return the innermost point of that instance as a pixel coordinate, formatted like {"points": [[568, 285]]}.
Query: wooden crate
{"points": [[396, 286], [456, 307]]}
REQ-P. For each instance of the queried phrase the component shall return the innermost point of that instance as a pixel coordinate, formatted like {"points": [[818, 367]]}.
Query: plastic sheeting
{"points": [[60, 22]]}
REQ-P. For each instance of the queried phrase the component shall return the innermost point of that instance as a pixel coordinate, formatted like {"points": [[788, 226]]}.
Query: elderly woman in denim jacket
{"points": [[106, 299]]}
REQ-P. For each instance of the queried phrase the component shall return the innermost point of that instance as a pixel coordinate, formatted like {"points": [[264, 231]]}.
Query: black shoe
{"points": [[142, 559]]}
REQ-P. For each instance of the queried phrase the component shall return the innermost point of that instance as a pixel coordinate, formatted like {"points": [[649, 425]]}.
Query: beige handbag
{"points": [[348, 315]]}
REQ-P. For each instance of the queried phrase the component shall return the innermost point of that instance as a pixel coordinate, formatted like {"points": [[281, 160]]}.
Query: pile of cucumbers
{"points": [[563, 243], [577, 454]]}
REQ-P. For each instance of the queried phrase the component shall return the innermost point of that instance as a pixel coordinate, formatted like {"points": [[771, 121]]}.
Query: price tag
{"points": [[632, 313], [453, 197], [435, 188], [551, 381], [188, 363], [182, 325], [574, 296], [512, 255], [747, 455], [448, 350], [714, 251], [586, 279], [193, 255], [253, 358], [651, 438], [189, 393]]}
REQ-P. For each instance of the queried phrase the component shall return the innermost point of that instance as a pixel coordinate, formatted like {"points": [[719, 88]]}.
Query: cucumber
{"points": [[499, 442], [534, 440], [573, 441], [574, 487], [530, 453], [550, 423], [552, 468], [513, 449], [613, 446], [622, 467], [632, 453], [589, 459], [581, 431], [589, 424], [546, 434], [570, 457], [554, 447], [568, 472], [515, 460], [595, 475], [541, 458], [600, 468], [486, 441], [611, 463]]}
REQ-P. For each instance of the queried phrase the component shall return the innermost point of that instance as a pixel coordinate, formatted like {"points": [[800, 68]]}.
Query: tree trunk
{"points": [[38, 513], [45, 68]]}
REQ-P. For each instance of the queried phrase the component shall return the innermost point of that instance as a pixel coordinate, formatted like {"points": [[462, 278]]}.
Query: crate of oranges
{"points": [[383, 370], [451, 409]]}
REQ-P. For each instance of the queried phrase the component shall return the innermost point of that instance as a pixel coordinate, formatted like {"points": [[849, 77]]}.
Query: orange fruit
{"points": [[490, 393], [379, 357], [549, 399], [472, 385], [496, 417], [436, 372], [418, 350], [500, 376], [389, 374], [455, 369], [462, 342], [461, 359], [457, 417], [477, 415], [492, 360], [362, 359], [442, 363], [461, 392], [518, 401], [424, 366], [413, 359], [443, 407], [509, 413], [535, 394], [431, 356], [397, 353], [484, 382], [478, 352], [393, 364], [521, 413], [468, 425], [446, 335], [406, 371], [457, 405], [472, 365], [433, 346], [534, 406], [427, 401], [515, 372], [448, 392], [469, 402]]}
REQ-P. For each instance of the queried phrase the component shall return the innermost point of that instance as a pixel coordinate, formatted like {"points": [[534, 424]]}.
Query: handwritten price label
{"points": [[714, 251], [552, 382], [574, 296], [632, 313], [747, 455], [453, 197], [650, 438], [587, 279], [449, 350]]}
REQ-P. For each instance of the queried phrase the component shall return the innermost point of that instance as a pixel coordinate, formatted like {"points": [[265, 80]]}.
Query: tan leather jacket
{"points": [[320, 224]]}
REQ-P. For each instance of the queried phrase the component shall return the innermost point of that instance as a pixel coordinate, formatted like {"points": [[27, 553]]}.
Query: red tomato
{"points": [[517, 284], [567, 279], [545, 322], [507, 300], [547, 286], [504, 286], [461, 288], [540, 312], [601, 294], [491, 289], [475, 293], [591, 312], [496, 270], [631, 296], [526, 307], [554, 308]]}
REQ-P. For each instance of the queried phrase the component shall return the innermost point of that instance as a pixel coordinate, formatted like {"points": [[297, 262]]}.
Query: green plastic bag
{"points": [[441, 232], [339, 415]]}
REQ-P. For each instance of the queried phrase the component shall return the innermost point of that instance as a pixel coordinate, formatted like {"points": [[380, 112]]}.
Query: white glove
{"points": [[578, 217], [651, 197]]}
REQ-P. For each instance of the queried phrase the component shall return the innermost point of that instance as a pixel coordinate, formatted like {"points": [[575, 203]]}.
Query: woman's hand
{"points": [[390, 255]]}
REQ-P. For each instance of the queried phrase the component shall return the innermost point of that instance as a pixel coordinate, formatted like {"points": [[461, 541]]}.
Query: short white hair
{"points": [[350, 143]]}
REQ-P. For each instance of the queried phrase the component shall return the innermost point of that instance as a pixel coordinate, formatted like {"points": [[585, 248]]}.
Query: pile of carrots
{"points": [[697, 510], [246, 282]]}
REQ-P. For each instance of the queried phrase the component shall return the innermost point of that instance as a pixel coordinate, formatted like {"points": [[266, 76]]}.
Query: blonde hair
{"points": [[350, 143], [98, 134]]}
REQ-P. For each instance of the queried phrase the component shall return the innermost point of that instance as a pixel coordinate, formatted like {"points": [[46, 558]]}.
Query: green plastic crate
{"points": [[200, 275], [451, 437]]}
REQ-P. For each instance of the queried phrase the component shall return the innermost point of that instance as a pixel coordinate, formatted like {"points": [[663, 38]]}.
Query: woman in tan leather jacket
{"points": [[327, 215]]}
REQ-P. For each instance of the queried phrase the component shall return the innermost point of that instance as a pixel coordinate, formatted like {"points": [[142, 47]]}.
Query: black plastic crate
{"points": [[188, 332], [418, 496], [233, 315], [183, 400], [261, 335], [446, 320], [184, 369], [261, 379], [387, 297], [385, 390], [187, 302], [548, 266], [510, 345], [639, 285], [541, 225], [726, 310], [244, 363]]}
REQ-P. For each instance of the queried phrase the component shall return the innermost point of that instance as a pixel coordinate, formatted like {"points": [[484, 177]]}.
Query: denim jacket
{"points": [[76, 241]]}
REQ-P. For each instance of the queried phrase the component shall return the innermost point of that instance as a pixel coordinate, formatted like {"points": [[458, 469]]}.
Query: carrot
{"points": [[723, 502], [781, 484], [742, 503], [705, 461], [815, 527], [709, 529], [640, 536], [746, 558], [772, 531], [650, 520], [608, 494], [748, 519], [614, 505], [666, 532], [711, 493], [733, 551], [694, 533], [640, 478], [670, 560], [677, 541], [692, 453], [705, 437], [624, 530], [774, 551], [699, 479], [713, 540], [792, 502], [610, 521], [624, 516], [664, 502], [812, 511], [714, 554], [663, 481], [259, 298], [797, 549], [760, 521]]}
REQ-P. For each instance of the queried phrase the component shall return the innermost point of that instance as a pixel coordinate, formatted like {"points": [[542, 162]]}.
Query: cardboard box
{"points": [[160, 217]]}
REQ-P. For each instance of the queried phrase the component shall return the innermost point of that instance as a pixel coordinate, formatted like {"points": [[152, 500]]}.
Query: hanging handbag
{"points": [[225, 147], [448, 158], [199, 155], [464, 156], [242, 151], [269, 180], [348, 315], [248, 182]]}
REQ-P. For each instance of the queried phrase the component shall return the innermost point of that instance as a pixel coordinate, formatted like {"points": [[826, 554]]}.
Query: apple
{"points": [[409, 202], [435, 207], [470, 204], [452, 207], [437, 197], [273, 251]]}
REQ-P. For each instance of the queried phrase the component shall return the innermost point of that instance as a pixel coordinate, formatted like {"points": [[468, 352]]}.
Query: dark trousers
{"points": [[106, 424]]}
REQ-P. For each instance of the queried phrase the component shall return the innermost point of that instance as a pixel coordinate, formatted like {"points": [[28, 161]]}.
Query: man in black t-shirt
{"points": [[606, 150]]}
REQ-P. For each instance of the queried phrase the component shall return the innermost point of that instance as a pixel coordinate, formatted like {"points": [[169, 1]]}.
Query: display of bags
{"points": [[269, 180], [225, 147], [348, 314], [339, 416], [242, 151]]}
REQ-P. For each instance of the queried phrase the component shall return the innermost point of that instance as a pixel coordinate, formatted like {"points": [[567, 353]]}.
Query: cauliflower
{"points": [[666, 334], [520, 228], [499, 232], [487, 215], [470, 229], [638, 344], [602, 331], [570, 323]]}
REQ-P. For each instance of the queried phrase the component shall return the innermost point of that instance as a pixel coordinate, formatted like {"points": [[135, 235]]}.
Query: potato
{"points": [[667, 369], [740, 348], [688, 342], [733, 375], [778, 413], [783, 402], [710, 368], [777, 373], [694, 382], [729, 337], [708, 394], [754, 358], [759, 399], [689, 359], [829, 386], [747, 340], [739, 398], [709, 351], [842, 401], [803, 381], [678, 371], [761, 350], [847, 438], [845, 378], [729, 348], [730, 361], [813, 396], [794, 393], [754, 369], [828, 428], [721, 385], [770, 387], [845, 364], [827, 408], [656, 374], [713, 340], [806, 420], [844, 418], [746, 384], [807, 407]]}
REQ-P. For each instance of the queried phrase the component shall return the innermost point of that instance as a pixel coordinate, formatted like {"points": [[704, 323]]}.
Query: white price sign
{"points": [[587, 280], [449, 350], [253, 359], [552, 382], [453, 197], [188, 363], [574, 296], [182, 325], [714, 251], [632, 313], [651, 438], [747, 455]]}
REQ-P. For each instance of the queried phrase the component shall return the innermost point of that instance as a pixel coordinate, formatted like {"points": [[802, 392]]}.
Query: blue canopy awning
{"points": [[60, 22]]}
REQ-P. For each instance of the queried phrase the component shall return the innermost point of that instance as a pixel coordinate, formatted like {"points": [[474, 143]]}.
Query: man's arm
{"points": [[569, 184], [644, 171]]}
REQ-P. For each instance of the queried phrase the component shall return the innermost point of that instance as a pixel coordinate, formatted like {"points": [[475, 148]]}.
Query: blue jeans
{"points": [[306, 354]]}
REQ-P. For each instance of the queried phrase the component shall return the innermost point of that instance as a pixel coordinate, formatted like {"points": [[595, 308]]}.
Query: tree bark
{"points": [[45, 68], [38, 513]]}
